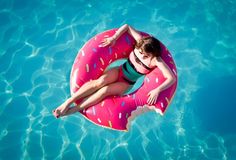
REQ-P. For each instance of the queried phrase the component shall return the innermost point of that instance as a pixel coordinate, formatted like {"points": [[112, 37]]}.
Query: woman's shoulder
{"points": [[156, 61]]}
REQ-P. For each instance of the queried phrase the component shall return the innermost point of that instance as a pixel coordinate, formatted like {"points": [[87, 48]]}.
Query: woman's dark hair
{"points": [[150, 45]]}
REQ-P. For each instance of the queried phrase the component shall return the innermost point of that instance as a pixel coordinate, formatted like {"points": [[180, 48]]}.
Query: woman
{"points": [[116, 81]]}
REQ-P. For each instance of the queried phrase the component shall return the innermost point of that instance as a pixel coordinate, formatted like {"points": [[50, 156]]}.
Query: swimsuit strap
{"points": [[132, 65], [130, 71], [140, 62]]}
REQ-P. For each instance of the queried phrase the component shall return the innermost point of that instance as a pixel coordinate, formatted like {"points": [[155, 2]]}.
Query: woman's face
{"points": [[143, 54]]}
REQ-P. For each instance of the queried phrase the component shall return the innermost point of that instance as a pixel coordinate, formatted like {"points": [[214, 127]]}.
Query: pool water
{"points": [[39, 40]]}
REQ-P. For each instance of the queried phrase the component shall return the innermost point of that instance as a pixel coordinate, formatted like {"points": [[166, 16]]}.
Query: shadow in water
{"points": [[215, 104]]}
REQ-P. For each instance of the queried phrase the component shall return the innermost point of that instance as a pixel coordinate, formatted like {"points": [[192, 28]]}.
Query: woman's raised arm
{"points": [[134, 33]]}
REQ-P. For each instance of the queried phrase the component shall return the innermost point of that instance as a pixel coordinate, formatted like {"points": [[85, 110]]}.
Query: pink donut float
{"points": [[116, 112]]}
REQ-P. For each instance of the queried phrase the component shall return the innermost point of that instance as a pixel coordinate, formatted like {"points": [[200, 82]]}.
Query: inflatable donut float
{"points": [[116, 112]]}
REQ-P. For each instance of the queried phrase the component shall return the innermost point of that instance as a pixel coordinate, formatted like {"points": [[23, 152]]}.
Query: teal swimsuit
{"points": [[130, 74]]}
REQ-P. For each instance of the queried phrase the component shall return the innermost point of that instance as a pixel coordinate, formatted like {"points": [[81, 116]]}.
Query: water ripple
{"points": [[39, 41]]}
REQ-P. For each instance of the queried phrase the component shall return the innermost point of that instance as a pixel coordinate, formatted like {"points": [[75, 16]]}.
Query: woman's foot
{"points": [[70, 111], [56, 113], [62, 109]]}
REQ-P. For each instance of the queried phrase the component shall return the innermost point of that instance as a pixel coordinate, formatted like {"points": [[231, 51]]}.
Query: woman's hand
{"points": [[152, 96], [108, 41]]}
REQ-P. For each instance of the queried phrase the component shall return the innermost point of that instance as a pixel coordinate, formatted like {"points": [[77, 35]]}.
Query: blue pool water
{"points": [[39, 40]]}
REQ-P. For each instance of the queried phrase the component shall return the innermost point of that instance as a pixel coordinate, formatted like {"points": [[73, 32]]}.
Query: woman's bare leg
{"points": [[117, 88], [87, 89]]}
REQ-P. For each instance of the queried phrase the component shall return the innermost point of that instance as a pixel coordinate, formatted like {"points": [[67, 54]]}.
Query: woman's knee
{"points": [[113, 89], [108, 77], [104, 91], [100, 82]]}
